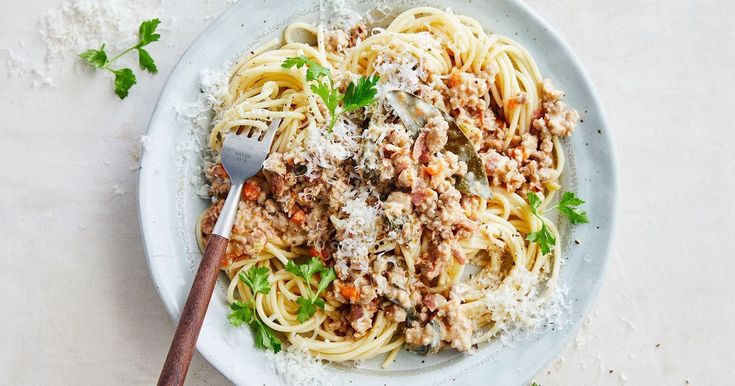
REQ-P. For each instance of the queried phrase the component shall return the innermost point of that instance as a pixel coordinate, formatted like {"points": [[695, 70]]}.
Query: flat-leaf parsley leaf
{"points": [[308, 304], [567, 206], [256, 278], [124, 77], [97, 58], [357, 95], [360, 94]]}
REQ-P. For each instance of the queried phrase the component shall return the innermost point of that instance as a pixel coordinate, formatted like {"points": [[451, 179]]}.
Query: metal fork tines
{"points": [[242, 157]]}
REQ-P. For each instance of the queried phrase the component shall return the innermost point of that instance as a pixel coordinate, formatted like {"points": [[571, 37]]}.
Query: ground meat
{"points": [[210, 216], [337, 41], [529, 161], [339, 324], [219, 181], [358, 33], [257, 225], [395, 313], [435, 261], [397, 208], [457, 326], [424, 339], [559, 119], [468, 98], [407, 178], [425, 200], [502, 171], [361, 318], [467, 91], [436, 134]]}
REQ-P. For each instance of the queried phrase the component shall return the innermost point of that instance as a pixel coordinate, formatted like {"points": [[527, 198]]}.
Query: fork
{"points": [[242, 157]]}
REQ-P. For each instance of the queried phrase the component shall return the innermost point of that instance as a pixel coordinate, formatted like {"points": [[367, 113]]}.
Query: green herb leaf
{"points": [[241, 314], [97, 58], [327, 277], [146, 32], [256, 278], [146, 61], [305, 271], [570, 199], [124, 80], [567, 206], [331, 98], [360, 94], [124, 77], [307, 304], [534, 201], [307, 309], [314, 70], [265, 337], [543, 237], [574, 216]]}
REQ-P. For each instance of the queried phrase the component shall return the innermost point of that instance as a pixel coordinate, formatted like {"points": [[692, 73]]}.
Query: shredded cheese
{"points": [[298, 367], [519, 311]]}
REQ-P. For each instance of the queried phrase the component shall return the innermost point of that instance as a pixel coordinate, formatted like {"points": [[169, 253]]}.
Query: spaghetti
{"points": [[417, 262]]}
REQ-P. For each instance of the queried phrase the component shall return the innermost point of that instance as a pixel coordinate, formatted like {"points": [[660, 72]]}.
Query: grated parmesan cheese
{"points": [[76, 26], [357, 233], [404, 75], [519, 311], [298, 367], [79, 25], [325, 150], [336, 14]]}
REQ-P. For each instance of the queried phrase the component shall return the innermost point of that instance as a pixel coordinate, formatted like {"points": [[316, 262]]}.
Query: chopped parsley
{"points": [[124, 77], [256, 278], [308, 304], [567, 206], [357, 95]]}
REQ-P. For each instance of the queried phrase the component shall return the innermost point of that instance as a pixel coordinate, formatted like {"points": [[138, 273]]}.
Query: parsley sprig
{"points": [[357, 95], [124, 77], [567, 206], [308, 304], [256, 278]]}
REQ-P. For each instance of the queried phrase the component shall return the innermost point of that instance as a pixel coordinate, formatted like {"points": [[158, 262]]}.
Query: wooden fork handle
{"points": [[182, 347]]}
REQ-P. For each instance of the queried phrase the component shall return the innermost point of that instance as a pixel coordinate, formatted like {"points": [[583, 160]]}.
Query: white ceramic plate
{"points": [[169, 205]]}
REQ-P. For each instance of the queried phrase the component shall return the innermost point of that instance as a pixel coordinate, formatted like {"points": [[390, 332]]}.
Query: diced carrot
{"points": [[316, 252], [349, 292], [298, 217], [513, 103], [454, 79], [251, 190]]}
